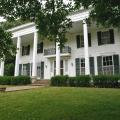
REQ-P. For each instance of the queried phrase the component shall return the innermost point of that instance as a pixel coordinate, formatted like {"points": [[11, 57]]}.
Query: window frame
{"points": [[105, 66]]}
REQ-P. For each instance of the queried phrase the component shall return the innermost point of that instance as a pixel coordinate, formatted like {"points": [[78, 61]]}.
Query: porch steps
{"points": [[41, 83]]}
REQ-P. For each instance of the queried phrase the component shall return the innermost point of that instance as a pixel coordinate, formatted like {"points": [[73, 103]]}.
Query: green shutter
{"points": [[23, 50], [77, 63], [42, 70], [78, 41], [116, 64], [41, 47], [99, 38], [111, 36], [28, 69], [20, 69], [89, 39], [28, 49], [92, 71], [99, 64]]}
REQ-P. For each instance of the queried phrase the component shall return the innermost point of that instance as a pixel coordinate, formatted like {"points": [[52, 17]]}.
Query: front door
{"points": [[40, 70]]}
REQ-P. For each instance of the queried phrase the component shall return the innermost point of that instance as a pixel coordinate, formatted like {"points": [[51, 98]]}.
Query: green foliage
{"points": [[106, 12], [9, 69], [50, 16], [79, 81], [59, 80], [19, 80], [105, 81], [102, 81], [10, 24], [6, 44]]}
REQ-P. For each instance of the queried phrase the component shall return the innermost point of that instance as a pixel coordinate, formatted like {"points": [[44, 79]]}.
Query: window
{"points": [[25, 50], [82, 66], [26, 69], [106, 37], [80, 41], [40, 47], [107, 65]]}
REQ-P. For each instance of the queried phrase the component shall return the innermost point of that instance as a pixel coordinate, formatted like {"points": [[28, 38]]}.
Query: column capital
{"points": [[85, 21]]}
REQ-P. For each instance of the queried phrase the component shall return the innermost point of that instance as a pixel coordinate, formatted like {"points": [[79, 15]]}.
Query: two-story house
{"points": [[89, 50]]}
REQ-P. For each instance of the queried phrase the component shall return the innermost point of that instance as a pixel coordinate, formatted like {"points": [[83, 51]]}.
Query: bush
{"points": [[6, 80], [105, 81], [59, 80], [80, 81], [19, 80]]}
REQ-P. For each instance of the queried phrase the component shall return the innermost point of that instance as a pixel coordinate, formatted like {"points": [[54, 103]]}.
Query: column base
{"points": [[34, 79]]}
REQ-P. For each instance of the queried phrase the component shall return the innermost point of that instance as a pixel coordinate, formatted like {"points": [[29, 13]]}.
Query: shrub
{"points": [[19, 80], [83, 81], [80, 81], [6, 80], [106, 81], [59, 81]]}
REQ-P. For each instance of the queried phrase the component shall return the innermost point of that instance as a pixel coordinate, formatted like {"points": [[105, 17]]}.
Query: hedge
{"points": [[11, 80], [80, 81], [106, 81], [101, 81]]}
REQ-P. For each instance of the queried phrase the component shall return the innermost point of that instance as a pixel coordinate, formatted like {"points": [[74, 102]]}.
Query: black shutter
{"points": [[23, 50], [78, 41], [116, 64], [42, 70], [41, 47], [99, 38], [28, 69], [92, 71], [77, 63], [99, 64], [89, 39], [20, 69], [28, 49], [111, 36]]}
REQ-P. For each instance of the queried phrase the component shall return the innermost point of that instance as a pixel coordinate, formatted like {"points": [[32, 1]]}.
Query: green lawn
{"points": [[61, 104]]}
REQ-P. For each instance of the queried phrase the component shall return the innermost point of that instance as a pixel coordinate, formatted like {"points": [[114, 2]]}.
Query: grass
{"points": [[57, 103]]}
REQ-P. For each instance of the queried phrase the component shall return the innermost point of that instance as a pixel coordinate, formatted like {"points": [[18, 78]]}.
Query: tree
{"points": [[6, 45], [50, 16], [106, 13]]}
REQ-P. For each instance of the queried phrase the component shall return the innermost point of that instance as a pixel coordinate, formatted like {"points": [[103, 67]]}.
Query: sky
{"points": [[1, 19]]}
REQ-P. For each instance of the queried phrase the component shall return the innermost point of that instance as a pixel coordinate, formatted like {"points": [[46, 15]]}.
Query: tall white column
{"points": [[87, 65], [57, 59], [34, 67], [1, 68], [96, 67], [17, 57]]}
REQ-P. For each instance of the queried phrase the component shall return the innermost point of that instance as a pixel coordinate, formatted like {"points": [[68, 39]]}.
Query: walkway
{"points": [[18, 88]]}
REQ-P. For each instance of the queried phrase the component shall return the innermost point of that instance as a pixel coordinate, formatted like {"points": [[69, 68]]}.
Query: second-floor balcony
{"points": [[50, 52]]}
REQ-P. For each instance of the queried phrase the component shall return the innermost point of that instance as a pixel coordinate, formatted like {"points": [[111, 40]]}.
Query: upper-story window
{"points": [[40, 47], [80, 40], [25, 50], [106, 37]]}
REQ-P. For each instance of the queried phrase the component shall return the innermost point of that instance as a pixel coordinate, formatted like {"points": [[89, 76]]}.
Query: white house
{"points": [[89, 50]]}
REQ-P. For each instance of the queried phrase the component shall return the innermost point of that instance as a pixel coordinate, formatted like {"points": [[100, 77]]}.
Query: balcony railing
{"points": [[52, 51]]}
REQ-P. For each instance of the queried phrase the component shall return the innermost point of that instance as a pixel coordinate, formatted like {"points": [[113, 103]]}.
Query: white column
{"points": [[2, 68], [57, 59], [17, 57], [87, 65], [34, 67], [96, 68]]}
